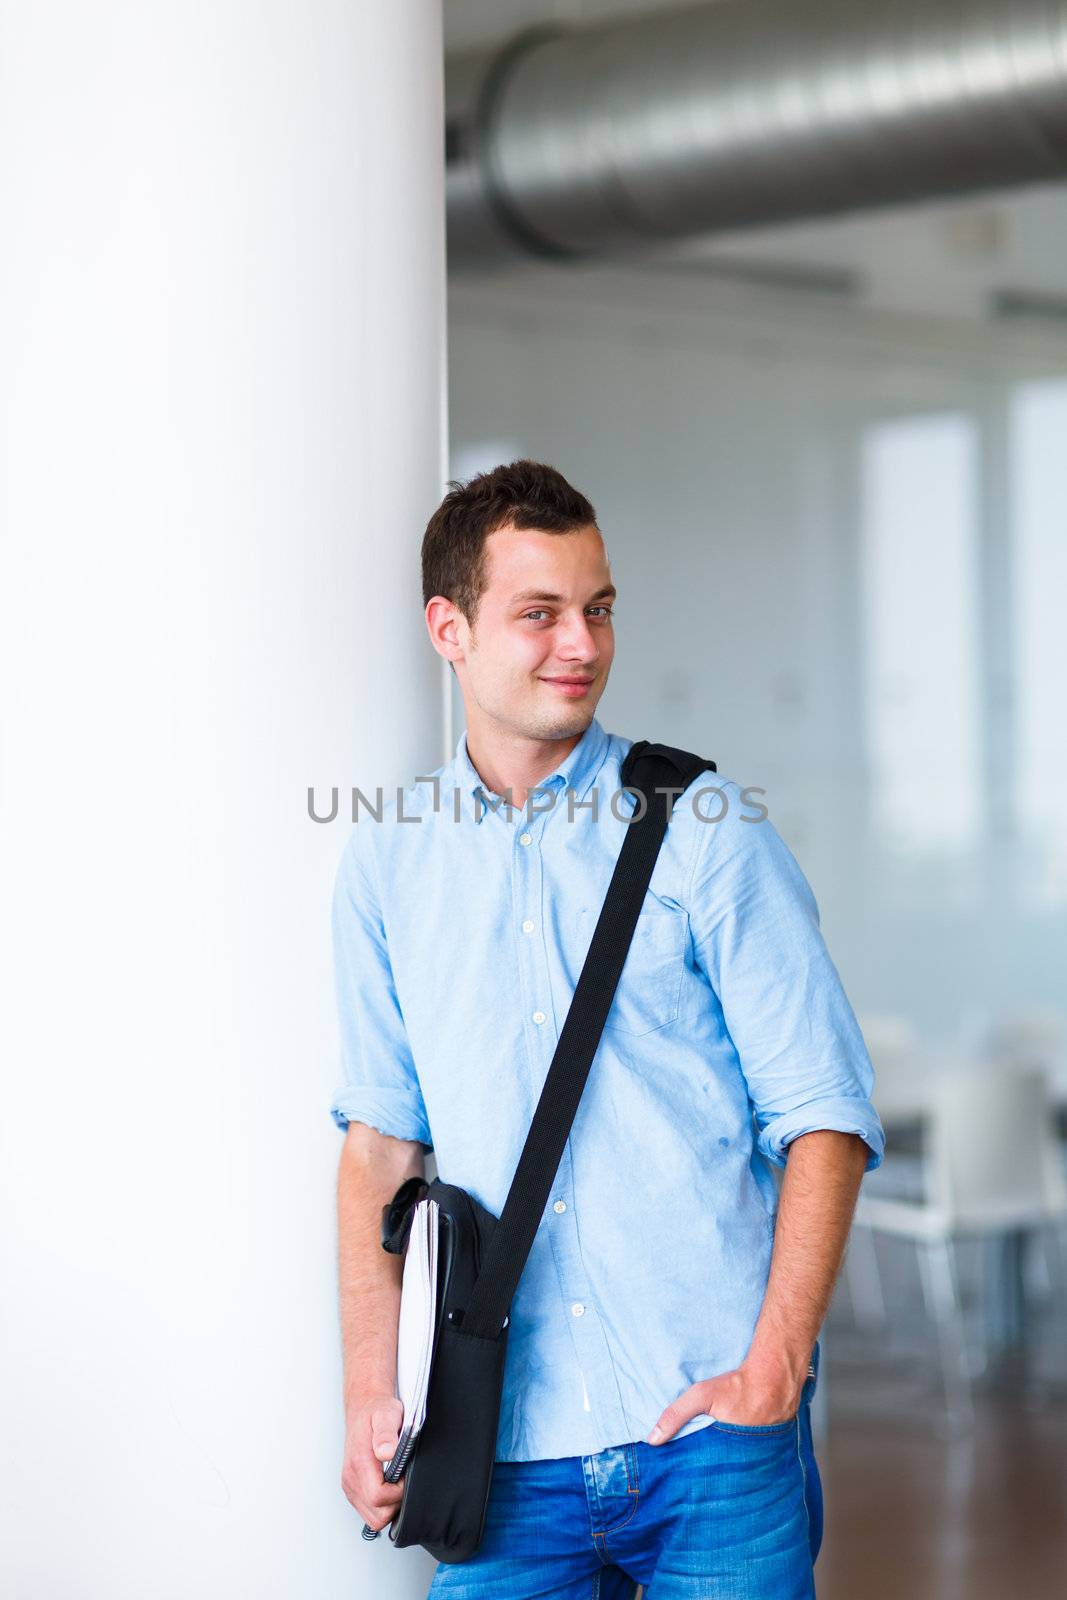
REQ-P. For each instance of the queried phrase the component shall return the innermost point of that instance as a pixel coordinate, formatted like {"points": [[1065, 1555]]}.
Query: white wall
{"points": [[222, 377], [821, 522]]}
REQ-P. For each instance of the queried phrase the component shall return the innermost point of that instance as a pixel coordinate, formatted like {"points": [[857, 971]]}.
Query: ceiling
{"points": [[950, 257]]}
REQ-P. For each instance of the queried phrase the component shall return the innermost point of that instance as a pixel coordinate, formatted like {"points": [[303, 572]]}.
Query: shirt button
{"points": [[560, 1205], [527, 926], [577, 1309], [525, 838], [539, 1016]]}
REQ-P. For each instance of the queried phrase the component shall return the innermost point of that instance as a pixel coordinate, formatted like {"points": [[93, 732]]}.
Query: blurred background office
{"points": [[783, 288]]}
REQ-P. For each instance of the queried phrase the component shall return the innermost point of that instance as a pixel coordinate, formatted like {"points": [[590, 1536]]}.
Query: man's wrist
{"points": [[778, 1363], [359, 1394]]}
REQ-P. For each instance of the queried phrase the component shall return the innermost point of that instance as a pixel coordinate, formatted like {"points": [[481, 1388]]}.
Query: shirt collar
{"points": [[576, 771]]}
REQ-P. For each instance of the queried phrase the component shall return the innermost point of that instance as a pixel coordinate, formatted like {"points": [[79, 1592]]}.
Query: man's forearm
{"points": [[818, 1196], [369, 1278]]}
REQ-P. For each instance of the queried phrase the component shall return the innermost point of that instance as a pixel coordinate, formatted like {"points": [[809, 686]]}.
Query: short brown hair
{"points": [[522, 494]]}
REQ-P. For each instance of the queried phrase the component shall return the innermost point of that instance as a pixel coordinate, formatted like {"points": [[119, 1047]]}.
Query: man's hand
{"points": [[753, 1395], [371, 1440]]}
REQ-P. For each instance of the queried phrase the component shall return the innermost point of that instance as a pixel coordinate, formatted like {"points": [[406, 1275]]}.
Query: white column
{"points": [[222, 431]]}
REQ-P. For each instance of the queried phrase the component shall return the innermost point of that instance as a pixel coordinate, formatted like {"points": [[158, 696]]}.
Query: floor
{"points": [[917, 1507], [912, 1511]]}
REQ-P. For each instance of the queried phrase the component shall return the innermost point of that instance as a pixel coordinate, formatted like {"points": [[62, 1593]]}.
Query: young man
{"points": [[663, 1352]]}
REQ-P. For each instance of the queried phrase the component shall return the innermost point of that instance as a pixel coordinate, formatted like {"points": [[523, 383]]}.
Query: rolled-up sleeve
{"points": [[757, 938], [379, 1084]]}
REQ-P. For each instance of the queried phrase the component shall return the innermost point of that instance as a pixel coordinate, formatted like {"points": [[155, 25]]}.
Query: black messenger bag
{"points": [[448, 1474]]}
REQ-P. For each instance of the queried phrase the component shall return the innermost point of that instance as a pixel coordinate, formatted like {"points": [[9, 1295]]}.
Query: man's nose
{"points": [[578, 642]]}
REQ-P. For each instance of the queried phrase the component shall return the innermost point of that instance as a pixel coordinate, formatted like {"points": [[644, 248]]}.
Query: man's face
{"points": [[539, 656]]}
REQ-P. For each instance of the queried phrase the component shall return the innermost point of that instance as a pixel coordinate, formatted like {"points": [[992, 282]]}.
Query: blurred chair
{"points": [[901, 1087], [991, 1170], [1036, 1037], [887, 1033]]}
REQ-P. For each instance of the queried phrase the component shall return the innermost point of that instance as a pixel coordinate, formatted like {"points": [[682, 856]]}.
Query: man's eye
{"points": [[529, 615]]}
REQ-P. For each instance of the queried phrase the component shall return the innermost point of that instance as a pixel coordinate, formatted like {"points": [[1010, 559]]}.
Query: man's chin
{"points": [[565, 720]]}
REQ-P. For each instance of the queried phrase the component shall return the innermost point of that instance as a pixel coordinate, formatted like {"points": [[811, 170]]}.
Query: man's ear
{"points": [[440, 621]]}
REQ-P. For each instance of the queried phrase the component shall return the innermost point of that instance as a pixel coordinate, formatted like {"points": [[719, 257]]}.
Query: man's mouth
{"points": [[572, 686]]}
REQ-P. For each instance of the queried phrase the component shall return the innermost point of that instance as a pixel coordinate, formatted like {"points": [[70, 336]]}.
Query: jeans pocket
{"points": [[756, 1429]]}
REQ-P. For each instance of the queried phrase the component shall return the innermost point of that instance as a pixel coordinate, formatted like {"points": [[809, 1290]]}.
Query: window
{"points": [[1038, 511], [920, 586]]}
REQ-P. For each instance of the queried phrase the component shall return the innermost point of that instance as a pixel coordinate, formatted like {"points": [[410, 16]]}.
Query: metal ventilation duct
{"points": [[596, 140]]}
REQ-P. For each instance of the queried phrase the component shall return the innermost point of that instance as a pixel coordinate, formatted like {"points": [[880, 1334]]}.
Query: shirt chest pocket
{"points": [[650, 985]]}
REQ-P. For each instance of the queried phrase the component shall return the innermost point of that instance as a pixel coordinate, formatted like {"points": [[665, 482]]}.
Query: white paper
{"points": [[418, 1316]]}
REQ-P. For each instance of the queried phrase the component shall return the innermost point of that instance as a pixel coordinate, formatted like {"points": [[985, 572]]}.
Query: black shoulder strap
{"points": [[659, 773]]}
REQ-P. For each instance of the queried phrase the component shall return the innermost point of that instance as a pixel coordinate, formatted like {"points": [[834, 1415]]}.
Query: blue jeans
{"points": [[725, 1513]]}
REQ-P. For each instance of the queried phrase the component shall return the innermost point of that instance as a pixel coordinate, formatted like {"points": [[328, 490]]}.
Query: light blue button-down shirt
{"points": [[459, 933]]}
